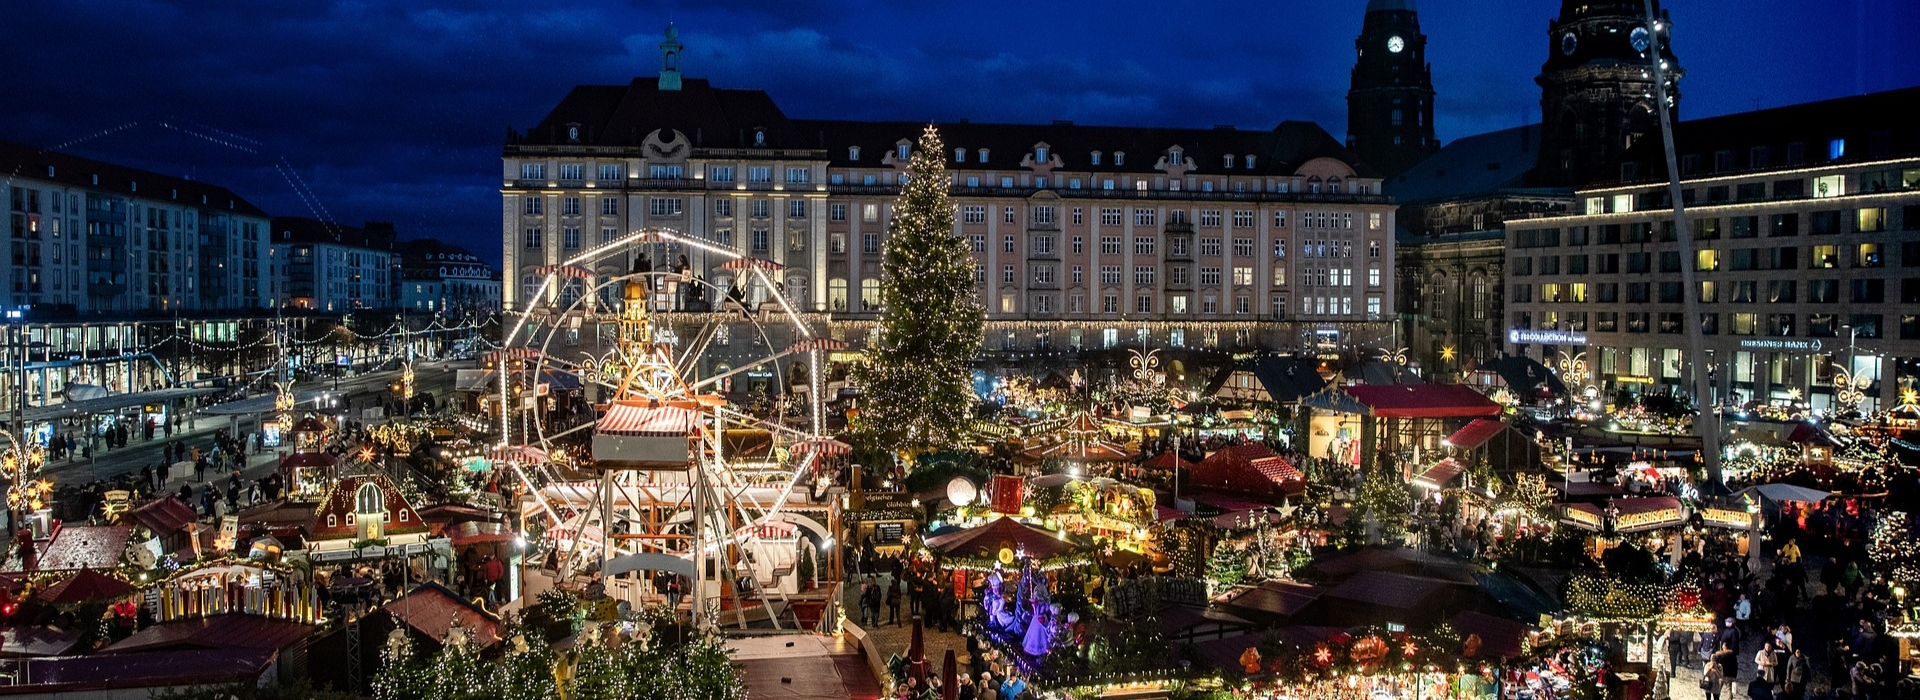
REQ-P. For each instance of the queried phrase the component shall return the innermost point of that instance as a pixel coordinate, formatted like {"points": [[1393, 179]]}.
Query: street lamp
{"points": [[20, 464]]}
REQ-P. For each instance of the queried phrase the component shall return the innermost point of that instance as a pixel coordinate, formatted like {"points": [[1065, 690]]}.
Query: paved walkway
{"points": [[896, 638]]}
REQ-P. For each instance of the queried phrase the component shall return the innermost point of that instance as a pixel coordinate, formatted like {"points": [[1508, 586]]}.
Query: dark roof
{"points": [[1285, 378], [1860, 120], [1423, 401], [84, 586], [1400, 559], [164, 515], [86, 547], [1281, 598], [233, 631], [1281, 151], [710, 117], [623, 115], [1525, 375], [143, 670], [294, 229], [27, 161], [1390, 590], [1471, 166], [1516, 596], [1476, 433], [36, 641], [1499, 637], [1381, 372], [433, 610]]}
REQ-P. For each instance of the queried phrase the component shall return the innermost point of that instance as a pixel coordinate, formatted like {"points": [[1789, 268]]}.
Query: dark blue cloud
{"points": [[396, 111]]}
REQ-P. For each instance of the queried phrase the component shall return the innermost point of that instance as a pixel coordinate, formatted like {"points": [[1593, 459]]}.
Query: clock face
{"points": [[1568, 42], [1638, 38], [1396, 44]]}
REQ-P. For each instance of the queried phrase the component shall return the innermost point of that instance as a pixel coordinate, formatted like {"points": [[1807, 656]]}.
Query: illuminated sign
{"points": [[1632, 379], [1787, 344], [1545, 336]]}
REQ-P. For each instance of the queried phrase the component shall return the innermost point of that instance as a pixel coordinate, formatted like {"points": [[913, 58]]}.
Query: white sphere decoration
{"points": [[961, 492]]}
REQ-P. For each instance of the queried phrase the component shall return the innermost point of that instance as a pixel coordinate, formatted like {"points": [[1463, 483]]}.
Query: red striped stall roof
{"points": [[817, 344], [574, 271], [828, 447], [1476, 433], [642, 420]]}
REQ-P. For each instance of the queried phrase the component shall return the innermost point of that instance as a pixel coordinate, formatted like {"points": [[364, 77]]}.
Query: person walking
{"points": [[1799, 671], [1712, 680], [893, 602]]}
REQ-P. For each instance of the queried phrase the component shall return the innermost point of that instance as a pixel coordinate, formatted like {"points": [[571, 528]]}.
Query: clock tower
{"points": [[1390, 103], [1596, 89]]}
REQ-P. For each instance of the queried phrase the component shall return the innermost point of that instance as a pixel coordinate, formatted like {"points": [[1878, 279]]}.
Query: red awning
{"points": [[1441, 472], [87, 585], [1476, 433], [986, 541], [165, 515], [307, 459], [1423, 401], [1166, 460], [641, 420], [827, 447], [473, 532]]}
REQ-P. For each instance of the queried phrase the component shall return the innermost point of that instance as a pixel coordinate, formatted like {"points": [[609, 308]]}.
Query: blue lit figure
{"points": [[993, 604]]}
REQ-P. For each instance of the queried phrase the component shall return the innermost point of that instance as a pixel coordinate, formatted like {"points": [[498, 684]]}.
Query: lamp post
{"points": [[22, 459]]}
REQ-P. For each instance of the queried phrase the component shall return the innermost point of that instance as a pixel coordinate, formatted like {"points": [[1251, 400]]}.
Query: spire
{"points": [[670, 59], [1384, 5]]}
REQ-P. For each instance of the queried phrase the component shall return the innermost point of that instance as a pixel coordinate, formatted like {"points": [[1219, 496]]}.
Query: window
{"points": [[1145, 217], [1043, 274], [796, 208], [1142, 245], [1177, 247], [1043, 216], [973, 214], [837, 211], [1243, 305], [1110, 216], [1007, 215], [1279, 276], [534, 206], [1110, 303], [1109, 245], [1870, 220], [1077, 275], [609, 206], [1868, 255], [723, 207], [1110, 274], [1078, 213], [1829, 186], [799, 176], [1094, 158], [608, 233], [1210, 218], [983, 155], [760, 173], [760, 208], [1243, 276], [1043, 245], [1210, 275], [665, 206], [1867, 290], [1143, 276], [533, 171], [1119, 158], [1210, 247], [570, 238], [1706, 260], [720, 173], [1373, 276], [533, 238], [869, 242], [1006, 244], [1079, 245], [1177, 276], [1243, 247], [1144, 304], [1825, 256], [1006, 274], [760, 244], [869, 212]]}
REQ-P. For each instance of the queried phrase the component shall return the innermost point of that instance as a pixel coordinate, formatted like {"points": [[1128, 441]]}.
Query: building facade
{"points": [[92, 237], [1806, 225], [1390, 103], [441, 277], [1082, 236], [332, 268]]}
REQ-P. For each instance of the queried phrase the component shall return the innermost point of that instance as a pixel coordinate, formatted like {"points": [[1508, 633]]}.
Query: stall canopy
{"points": [[164, 515], [475, 532], [1440, 473], [433, 611], [1788, 492], [1476, 433], [85, 586], [1383, 373], [640, 420], [1408, 401], [987, 540], [1250, 468], [1167, 460], [1810, 434]]}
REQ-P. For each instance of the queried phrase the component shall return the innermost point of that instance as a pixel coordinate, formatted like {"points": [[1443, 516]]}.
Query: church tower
{"points": [[1596, 89], [670, 59], [1390, 103]]}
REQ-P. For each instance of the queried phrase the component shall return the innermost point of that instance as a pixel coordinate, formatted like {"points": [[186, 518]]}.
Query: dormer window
{"points": [[1228, 161], [983, 155], [1040, 153], [959, 155], [1249, 162], [903, 152], [853, 153], [1175, 157], [759, 137], [1119, 158], [573, 133], [1096, 157]]}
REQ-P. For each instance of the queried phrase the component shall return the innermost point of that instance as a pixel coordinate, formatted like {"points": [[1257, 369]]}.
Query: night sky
{"points": [[397, 110]]}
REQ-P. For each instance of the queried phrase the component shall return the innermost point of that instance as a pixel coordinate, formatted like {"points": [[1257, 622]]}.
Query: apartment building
{"points": [[331, 267], [89, 237], [1083, 236], [436, 276], [1806, 227]]}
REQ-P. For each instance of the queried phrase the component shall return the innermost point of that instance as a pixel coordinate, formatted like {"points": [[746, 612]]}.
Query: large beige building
{"points": [[1806, 226], [1083, 236]]}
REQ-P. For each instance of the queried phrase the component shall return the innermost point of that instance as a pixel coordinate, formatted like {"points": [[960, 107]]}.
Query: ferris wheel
{"points": [[615, 419]]}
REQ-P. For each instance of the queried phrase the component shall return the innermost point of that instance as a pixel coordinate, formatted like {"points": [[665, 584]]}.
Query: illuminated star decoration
{"points": [[1446, 353], [1408, 649], [1323, 655]]}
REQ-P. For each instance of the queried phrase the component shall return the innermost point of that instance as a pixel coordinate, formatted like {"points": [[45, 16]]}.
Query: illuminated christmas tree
{"points": [[917, 377]]}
